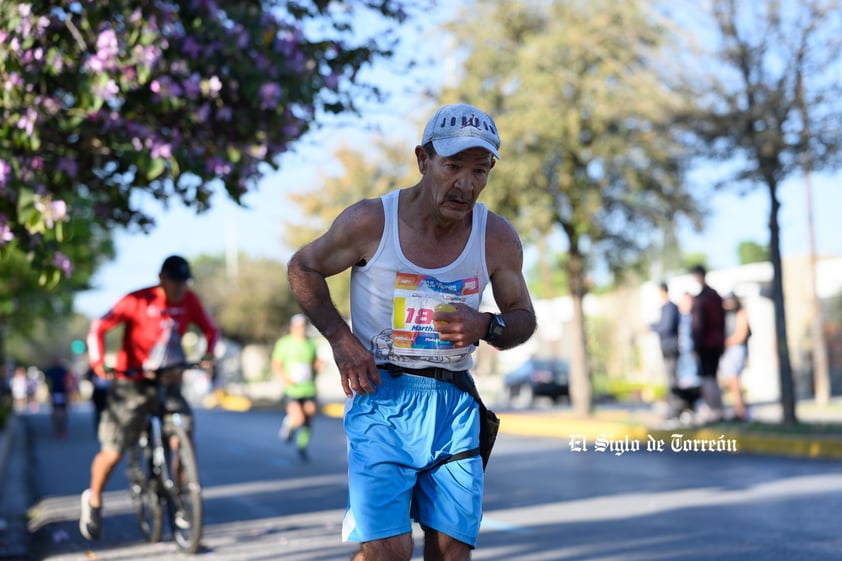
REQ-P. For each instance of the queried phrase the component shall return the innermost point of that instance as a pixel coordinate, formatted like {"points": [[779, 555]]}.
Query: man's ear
{"points": [[422, 158]]}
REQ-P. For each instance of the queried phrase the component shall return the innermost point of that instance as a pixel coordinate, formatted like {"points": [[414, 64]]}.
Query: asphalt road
{"points": [[544, 501]]}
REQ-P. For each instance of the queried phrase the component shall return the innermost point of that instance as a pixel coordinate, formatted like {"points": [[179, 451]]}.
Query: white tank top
{"points": [[392, 299]]}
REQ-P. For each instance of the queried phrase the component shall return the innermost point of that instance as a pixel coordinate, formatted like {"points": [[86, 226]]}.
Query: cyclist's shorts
{"points": [[126, 408], [396, 437]]}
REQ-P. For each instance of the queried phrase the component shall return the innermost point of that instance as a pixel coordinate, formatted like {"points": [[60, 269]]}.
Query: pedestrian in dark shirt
{"points": [[58, 379], [708, 328], [667, 330]]}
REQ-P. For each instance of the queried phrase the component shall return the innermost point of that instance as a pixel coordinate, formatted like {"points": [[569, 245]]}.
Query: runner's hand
{"points": [[356, 367]]}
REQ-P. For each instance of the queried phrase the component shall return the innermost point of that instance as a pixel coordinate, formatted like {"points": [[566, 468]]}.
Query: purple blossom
{"points": [[215, 85], [202, 113], [332, 80], [68, 166], [146, 55], [108, 90], [5, 172], [270, 94], [224, 114], [218, 166], [6, 234], [129, 73], [161, 150], [192, 86], [14, 80], [55, 62], [106, 45], [62, 261], [166, 87], [52, 211], [191, 47], [27, 120]]}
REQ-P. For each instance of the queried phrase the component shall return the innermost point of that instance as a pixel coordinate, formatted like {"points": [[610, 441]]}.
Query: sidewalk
{"points": [[15, 491]]}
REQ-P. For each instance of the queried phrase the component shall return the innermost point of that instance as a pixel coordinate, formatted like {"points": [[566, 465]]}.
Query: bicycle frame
{"points": [[161, 474]]}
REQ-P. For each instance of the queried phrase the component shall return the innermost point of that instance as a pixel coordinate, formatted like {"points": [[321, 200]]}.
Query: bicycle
{"points": [[163, 470]]}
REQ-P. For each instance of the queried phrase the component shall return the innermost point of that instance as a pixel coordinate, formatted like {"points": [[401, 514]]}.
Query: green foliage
{"points": [[250, 301], [547, 278], [584, 118], [46, 337], [585, 122], [113, 104], [752, 252], [693, 258], [622, 390], [770, 103]]}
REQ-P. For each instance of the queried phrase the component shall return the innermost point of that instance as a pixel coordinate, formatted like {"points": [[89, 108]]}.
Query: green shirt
{"points": [[298, 358]]}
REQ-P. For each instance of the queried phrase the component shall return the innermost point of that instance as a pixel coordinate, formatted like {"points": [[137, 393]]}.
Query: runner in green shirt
{"points": [[295, 360]]}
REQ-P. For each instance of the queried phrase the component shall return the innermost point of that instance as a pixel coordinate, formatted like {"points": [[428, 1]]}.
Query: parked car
{"points": [[538, 377]]}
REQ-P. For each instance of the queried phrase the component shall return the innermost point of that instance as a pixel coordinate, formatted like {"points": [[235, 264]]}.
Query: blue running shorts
{"points": [[396, 436]]}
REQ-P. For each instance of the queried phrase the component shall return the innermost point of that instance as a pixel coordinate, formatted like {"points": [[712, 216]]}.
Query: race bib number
{"points": [[416, 299], [300, 372]]}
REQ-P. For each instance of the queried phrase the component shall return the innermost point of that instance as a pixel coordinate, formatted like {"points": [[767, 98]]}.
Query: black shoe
{"points": [[302, 454], [90, 521]]}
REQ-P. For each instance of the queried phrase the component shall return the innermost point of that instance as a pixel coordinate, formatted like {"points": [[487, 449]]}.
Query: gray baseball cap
{"points": [[454, 128]]}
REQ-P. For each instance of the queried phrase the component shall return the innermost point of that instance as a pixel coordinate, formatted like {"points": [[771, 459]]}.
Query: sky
{"points": [[256, 229]]}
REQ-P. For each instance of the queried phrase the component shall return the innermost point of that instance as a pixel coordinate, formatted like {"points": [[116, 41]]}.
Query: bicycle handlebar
{"points": [[156, 372]]}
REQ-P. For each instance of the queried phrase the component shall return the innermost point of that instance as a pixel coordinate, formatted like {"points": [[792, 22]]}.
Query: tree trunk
{"points": [[784, 363], [580, 380]]}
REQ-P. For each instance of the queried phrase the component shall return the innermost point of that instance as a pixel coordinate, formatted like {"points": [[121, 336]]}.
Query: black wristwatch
{"points": [[496, 327]]}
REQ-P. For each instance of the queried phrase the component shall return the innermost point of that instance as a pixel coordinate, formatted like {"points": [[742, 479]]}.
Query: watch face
{"points": [[496, 327]]}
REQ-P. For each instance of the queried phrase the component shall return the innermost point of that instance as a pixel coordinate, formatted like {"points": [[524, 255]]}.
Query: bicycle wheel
{"points": [[184, 496], [143, 489]]}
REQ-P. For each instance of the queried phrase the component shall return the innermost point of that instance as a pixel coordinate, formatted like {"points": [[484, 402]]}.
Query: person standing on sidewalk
{"points": [[296, 362], [708, 328], [154, 320], [733, 361], [667, 330], [420, 259]]}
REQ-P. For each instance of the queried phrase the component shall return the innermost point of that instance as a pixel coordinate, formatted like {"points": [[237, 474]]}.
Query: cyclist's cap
{"points": [[176, 268], [454, 128]]}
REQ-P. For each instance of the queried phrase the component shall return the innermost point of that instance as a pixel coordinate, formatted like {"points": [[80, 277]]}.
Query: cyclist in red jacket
{"points": [[154, 319]]}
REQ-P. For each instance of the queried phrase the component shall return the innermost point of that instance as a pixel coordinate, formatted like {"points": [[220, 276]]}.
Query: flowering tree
{"points": [[113, 102]]}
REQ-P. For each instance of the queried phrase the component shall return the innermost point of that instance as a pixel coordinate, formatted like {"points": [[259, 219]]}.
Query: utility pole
{"points": [[821, 373]]}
